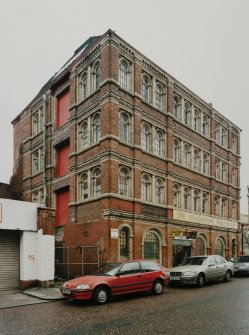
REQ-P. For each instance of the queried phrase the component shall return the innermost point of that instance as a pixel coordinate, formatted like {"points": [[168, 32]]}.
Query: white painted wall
{"points": [[36, 256], [18, 215]]}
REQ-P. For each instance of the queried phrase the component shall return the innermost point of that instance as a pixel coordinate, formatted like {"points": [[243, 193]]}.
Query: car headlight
{"points": [[189, 273], [167, 273], [83, 287]]}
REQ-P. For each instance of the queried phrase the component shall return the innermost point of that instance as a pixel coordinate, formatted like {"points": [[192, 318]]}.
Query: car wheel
{"points": [[201, 280], [157, 287], [101, 295], [228, 276]]}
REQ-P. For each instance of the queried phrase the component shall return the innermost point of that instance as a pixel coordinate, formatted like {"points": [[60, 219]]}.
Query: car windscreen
{"points": [[195, 261], [242, 259], [108, 269]]}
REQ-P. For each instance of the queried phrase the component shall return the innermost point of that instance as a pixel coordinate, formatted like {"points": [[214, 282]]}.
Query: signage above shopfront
{"points": [[203, 219]]}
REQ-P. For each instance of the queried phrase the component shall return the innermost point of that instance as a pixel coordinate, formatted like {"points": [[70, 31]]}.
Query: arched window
{"points": [[96, 182], [152, 245], [200, 246], [234, 143], [186, 198], [204, 208], [96, 76], [96, 127], [217, 205], [224, 172], [197, 160], [217, 133], [159, 96], [223, 208], [219, 247], [83, 186], [197, 120], [234, 176], [177, 151], [187, 114], [146, 137], [176, 196], [159, 191], [125, 127], [217, 169], [83, 135], [83, 86], [197, 201], [205, 125], [124, 182], [224, 137], [124, 243], [124, 74], [159, 143], [146, 88], [146, 188], [234, 210], [177, 107], [205, 164], [187, 156]]}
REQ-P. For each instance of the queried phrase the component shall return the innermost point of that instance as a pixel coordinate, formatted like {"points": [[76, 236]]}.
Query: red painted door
{"points": [[62, 114], [62, 209], [62, 161]]}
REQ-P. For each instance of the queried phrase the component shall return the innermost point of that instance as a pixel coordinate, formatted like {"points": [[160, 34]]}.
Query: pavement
{"points": [[34, 295]]}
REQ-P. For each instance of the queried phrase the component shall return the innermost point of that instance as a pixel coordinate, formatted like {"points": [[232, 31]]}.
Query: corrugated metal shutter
{"points": [[9, 259]]}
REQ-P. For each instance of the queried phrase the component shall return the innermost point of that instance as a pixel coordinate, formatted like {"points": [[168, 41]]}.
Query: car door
{"points": [[128, 279], [212, 270], [221, 267]]}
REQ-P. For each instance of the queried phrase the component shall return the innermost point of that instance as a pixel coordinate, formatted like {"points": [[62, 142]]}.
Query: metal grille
{"points": [[72, 262], [176, 274], [151, 246]]}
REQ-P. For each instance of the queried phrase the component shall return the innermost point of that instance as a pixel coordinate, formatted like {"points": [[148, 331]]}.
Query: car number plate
{"points": [[65, 291], [174, 278]]}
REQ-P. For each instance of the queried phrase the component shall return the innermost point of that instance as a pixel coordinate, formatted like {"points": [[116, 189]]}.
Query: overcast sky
{"points": [[202, 43]]}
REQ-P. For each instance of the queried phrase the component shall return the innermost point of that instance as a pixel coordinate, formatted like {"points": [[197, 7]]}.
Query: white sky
{"points": [[202, 43]]}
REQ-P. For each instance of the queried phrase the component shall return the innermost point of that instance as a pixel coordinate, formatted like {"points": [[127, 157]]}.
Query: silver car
{"points": [[241, 265], [200, 270]]}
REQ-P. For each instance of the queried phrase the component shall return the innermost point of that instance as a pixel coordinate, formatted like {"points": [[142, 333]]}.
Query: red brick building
{"points": [[132, 160]]}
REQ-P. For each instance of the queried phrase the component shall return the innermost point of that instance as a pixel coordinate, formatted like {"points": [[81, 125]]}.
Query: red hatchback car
{"points": [[115, 279]]}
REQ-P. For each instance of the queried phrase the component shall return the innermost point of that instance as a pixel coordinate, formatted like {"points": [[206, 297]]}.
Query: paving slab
{"points": [[17, 298]]}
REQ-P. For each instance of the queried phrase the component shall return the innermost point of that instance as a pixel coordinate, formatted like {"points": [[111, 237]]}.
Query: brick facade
{"points": [[146, 211]]}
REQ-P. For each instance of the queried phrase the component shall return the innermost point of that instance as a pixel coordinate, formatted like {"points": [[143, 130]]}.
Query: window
{"points": [[223, 208], [38, 120], [177, 107], [37, 161], [187, 114], [205, 164], [159, 143], [83, 86], [217, 133], [197, 201], [96, 182], [159, 97], [176, 196], [38, 196], [217, 205], [83, 193], [197, 160], [146, 137], [187, 156], [96, 126], [125, 127], [197, 120], [224, 137], [177, 151], [204, 208], [129, 268], [205, 125], [234, 143], [234, 210], [146, 188], [200, 246], [146, 88], [151, 246], [217, 169], [159, 191], [83, 135], [224, 172], [234, 176], [124, 75], [219, 247], [186, 198], [125, 182], [124, 243], [96, 76]]}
